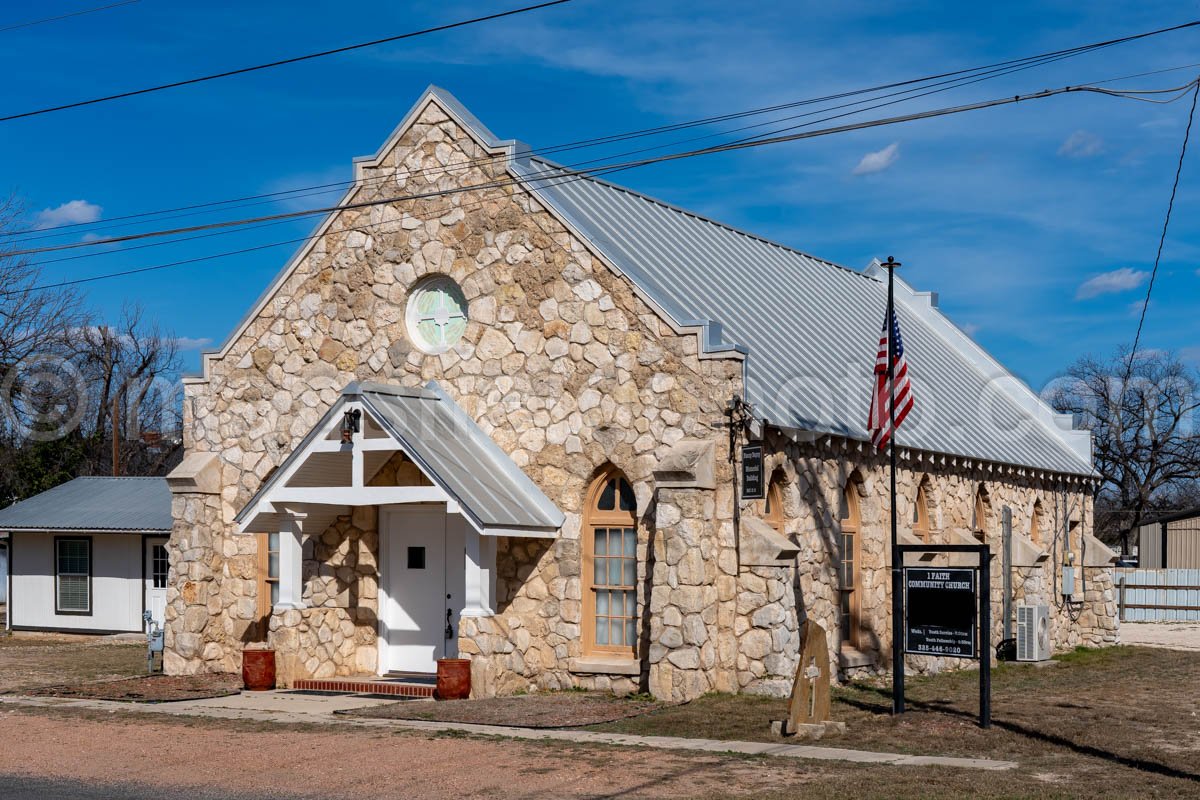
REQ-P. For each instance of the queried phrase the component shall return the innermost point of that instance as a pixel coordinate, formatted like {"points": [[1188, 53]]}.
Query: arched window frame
{"points": [[609, 521], [772, 506], [980, 515], [850, 569], [921, 526], [1036, 524]]}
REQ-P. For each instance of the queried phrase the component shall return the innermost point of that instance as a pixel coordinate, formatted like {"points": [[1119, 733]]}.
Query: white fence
{"points": [[1158, 595]]}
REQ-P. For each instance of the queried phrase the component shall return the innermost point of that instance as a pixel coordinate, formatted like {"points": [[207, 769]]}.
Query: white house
{"points": [[88, 556]]}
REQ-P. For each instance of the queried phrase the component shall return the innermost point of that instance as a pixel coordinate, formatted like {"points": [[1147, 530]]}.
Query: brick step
{"points": [[365, 686]]}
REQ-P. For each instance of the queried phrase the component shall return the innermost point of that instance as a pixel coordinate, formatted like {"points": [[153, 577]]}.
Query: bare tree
{"points": [[1142, 415], [130, 367]]}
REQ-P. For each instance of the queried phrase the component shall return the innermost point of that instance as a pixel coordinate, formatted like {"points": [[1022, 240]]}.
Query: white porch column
{"points": [[480, 567], [291, 562]]}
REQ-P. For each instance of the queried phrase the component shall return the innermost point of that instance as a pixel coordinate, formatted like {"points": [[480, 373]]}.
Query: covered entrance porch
{"points": [[378, 535]]}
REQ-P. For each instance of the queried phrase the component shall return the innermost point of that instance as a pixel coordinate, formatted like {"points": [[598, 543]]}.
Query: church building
{"points": [[494, 409]]}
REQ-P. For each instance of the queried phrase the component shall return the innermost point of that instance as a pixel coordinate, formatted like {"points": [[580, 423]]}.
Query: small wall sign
{"points": [[753, 487], [941, 612]]}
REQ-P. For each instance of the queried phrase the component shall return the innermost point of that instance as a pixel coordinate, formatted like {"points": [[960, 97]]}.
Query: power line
{"points": [[945, 86], [549, 180], [31, 23], [1018, 63], [1162, 239], [721, 148], [284, 61]]}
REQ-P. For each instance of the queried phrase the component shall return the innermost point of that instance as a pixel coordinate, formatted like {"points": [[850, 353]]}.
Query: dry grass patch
{"points": [[29, 661], [149, 688], [546, 710], [1121, 721]]}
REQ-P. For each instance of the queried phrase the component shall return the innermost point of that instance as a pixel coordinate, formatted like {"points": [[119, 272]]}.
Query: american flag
{"points": [[879, 424]]}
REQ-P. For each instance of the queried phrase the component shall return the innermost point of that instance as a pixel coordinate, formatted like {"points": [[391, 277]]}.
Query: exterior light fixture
{"points": [[350, 424]]}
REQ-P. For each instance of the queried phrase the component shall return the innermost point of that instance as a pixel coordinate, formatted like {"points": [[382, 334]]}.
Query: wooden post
{"points": [[116, 441], [1121, 598]]}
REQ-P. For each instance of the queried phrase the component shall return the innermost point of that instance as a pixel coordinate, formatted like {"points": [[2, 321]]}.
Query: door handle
{"points": [[449, 627]]}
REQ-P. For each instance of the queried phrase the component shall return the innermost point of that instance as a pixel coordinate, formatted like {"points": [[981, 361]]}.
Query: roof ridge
{"points": [[701, 217]]}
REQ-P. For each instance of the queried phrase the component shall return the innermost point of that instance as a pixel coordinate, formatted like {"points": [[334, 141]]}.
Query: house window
{"points": [[773, 503], [921, 515], [979, 520], [610, 567], [73, 576], [268, 572], [849, 577], [436, 315], [158, 566]]}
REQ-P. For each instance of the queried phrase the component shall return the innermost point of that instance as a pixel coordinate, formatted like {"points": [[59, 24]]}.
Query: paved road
{"points": [[1171, 635], [23, 787]]}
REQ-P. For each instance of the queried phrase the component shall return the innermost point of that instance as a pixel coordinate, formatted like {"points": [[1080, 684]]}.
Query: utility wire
{"points": [[945, 86], [555, 169], [286, 61], [31, 23], [1040, 58], [1162, 239], [548, 180]]}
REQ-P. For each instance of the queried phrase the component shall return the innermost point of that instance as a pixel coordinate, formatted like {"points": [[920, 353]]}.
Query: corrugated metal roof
{"points": [[457, 455], [810, 329], [447, 446], [95, 504]]}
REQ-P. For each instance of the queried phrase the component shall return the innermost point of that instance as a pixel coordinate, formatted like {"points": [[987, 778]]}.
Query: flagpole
{"points": [[897, 567]]}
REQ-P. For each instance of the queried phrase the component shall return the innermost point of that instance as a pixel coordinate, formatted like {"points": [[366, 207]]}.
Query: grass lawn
{"points": [[28, 661], [1122, 721]]}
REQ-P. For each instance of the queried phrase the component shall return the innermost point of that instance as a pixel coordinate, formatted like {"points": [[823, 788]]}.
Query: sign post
{"points": [[947, 612]]}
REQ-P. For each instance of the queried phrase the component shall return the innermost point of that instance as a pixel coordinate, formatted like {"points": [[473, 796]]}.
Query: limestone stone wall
{"points": [[211, 589], [814, 477], [562, 364], [568, 369]]}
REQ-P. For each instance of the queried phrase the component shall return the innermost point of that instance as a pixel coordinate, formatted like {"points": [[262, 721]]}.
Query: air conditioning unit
{"points": [[1033, 633]]}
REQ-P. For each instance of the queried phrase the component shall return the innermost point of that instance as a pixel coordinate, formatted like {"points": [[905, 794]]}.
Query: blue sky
{"points": [[1036, 224]]}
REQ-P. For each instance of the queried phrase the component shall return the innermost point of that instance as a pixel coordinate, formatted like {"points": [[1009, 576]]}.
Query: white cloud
{"points": [[969, 328], [1118, 280], [72, 213], [192, 342], [1081, 144], [879, 160]]}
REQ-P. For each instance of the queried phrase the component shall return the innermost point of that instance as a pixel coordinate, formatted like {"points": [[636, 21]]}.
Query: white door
{"points": [[156, 578], [421, 588]]}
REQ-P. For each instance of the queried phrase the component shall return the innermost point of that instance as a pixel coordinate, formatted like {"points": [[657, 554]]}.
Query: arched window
{"points": [[773, 503], [851, 600], [610, 566], [1035, 524], [921, 514], [979, 519]]}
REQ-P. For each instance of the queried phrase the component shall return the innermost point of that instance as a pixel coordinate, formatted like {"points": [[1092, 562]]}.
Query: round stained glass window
{"points": [[437, 314]]}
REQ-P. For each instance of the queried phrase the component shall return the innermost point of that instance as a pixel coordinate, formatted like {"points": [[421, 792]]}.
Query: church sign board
{"points": [[941, 612]]}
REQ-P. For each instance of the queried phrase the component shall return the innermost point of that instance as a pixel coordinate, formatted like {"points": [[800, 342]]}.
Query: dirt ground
{"points": [[550, 710], [29, 660]]}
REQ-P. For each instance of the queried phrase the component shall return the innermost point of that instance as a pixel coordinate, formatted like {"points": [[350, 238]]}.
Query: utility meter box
{"points": [[1068, 581]]}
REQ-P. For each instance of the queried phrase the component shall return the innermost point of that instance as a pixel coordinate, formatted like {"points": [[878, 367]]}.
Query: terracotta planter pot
{"points": [[258, 670], [453, 679]]}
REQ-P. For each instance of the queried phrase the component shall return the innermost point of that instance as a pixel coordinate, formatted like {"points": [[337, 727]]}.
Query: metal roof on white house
{"points": [[95, 505]]}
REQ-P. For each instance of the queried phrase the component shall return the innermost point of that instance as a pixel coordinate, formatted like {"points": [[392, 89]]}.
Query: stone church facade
{"points": [[461, 361]]}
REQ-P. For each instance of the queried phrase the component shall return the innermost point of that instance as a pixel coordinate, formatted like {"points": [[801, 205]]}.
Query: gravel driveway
{"points": [[1172, 635]]}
